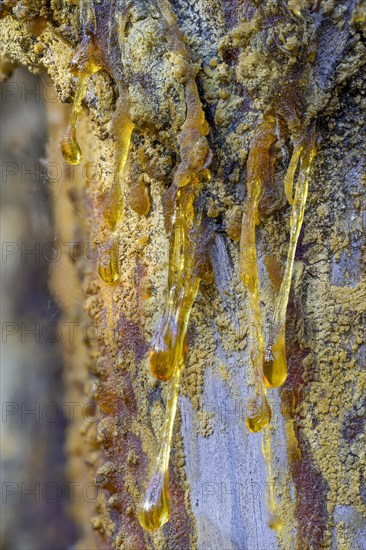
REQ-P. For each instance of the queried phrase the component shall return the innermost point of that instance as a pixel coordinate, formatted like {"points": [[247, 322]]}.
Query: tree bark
{"points": [[218, 478]]}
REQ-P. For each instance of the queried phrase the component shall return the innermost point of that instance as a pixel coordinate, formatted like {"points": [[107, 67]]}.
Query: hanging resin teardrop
{"points": [[154, 510], [70, 148]]}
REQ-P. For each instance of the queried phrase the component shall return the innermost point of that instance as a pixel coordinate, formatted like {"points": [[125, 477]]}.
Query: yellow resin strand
{"points": [[113, 211], [274, 521], [258, 169], [183, 283], [167, 347], [154, 509], [259, 411], [275, 364], [69, 146], [167, 355], [108, 267], [289, 178], [84, 63]]}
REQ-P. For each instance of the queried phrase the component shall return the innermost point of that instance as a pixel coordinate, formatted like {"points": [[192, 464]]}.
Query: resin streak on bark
{"points": [[259, 170], [275, 364], [167, 355]]}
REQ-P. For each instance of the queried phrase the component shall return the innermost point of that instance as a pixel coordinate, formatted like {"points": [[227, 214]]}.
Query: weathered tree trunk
{"points": [[218, 477]]}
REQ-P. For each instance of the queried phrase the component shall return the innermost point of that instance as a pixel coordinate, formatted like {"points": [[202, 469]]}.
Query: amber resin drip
{"points": [[259, 168], [259, 411], [84, 64], [113, 209], [289, 178], [167, 354], [275, 364], [154, 509], [69, 146], [183, 281], [274, 521], [108, 267]]}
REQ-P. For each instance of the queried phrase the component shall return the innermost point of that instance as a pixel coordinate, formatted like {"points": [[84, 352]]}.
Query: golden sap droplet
{"points": [[275, 368], [108, 266], [258, 422], [70, 148], [154, 510], [163, 351]]}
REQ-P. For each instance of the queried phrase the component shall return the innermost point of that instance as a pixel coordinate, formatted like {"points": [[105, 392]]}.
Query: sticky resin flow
{"points": [[167, 354], [85, 63], [269, 367], [259, 169], [122, 129], [154, 510], [185, 221], [275, 364]]}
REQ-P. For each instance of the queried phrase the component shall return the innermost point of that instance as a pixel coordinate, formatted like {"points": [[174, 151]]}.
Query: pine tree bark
{"points": [[218, 477]]}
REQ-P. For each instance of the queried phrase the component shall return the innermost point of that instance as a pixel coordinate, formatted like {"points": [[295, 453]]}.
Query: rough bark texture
{"points": [[218, 477]]}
